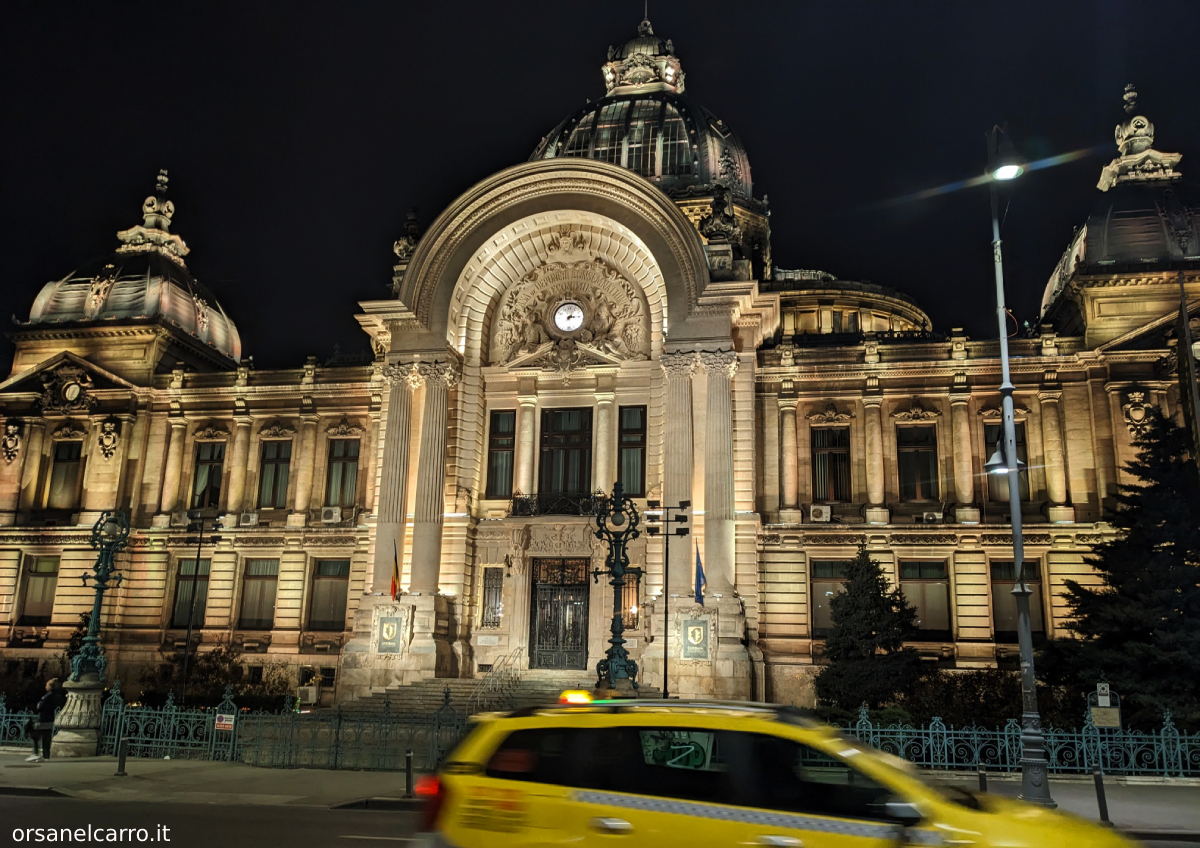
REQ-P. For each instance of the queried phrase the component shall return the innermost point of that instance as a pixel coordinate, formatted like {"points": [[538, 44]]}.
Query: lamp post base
{"points": [[78, 723]]}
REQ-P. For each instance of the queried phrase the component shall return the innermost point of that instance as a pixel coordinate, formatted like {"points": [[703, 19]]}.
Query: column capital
{"points": [[723, 362], [788, 404], [605, 397], [243, 420], [872, 400], [959, 397], [677, 365], [527, 400], [1049, 395], [402, 373], [442, 372]]}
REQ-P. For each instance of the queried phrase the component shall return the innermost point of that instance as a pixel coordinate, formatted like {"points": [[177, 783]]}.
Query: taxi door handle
{"points": [[616, 827], [780, 841]]}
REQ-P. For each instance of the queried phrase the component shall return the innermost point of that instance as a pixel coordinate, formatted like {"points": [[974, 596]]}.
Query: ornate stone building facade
{"points": [[606, 311]]}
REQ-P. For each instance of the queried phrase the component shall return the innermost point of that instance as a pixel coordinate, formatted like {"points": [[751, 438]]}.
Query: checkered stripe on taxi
{"points": [[763, 818]]}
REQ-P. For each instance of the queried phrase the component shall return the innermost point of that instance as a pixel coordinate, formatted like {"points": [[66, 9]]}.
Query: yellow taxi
{"points": [[670, 774]]}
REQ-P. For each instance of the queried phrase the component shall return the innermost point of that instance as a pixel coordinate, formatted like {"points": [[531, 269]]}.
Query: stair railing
{"points": [[495, 688]]}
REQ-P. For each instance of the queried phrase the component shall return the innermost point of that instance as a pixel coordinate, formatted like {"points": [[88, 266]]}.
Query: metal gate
{"points": [[558, 626]]}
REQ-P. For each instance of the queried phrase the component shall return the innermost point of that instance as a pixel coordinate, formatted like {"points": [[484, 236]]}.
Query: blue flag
{"points": [[700, 581]]}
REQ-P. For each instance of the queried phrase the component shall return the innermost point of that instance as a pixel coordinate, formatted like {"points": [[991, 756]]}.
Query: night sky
{"points": [[298, 134]]}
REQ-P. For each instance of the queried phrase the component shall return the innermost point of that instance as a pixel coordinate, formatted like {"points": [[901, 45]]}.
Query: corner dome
{"points": [[647, 125], [145, 280]]}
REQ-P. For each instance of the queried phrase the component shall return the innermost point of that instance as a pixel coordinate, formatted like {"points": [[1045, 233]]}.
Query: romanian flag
{"points": [[395, 570], [701, 583]]}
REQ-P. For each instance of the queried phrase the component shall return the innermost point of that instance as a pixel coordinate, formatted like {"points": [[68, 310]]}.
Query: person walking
{"points": [[43, 727]]}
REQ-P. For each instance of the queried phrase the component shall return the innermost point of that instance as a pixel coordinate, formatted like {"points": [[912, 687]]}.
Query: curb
{"points": [[1164, 835], [395, 805], [36, 791]]}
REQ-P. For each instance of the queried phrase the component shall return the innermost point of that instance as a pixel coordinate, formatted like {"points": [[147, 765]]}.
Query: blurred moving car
{"points": [[670, 774]]}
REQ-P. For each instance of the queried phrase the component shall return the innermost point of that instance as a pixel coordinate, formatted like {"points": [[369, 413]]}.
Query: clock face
{"points": [[71, 391], [568, 317]]}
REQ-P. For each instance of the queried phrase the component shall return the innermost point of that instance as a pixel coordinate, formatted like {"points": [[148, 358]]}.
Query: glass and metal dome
{"points": [[145, 280], [646, 124]]}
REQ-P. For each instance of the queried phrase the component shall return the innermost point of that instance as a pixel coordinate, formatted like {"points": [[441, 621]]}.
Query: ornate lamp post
{"points": [[654, 528], [1004, 164], [79, 721], [616, 522]]}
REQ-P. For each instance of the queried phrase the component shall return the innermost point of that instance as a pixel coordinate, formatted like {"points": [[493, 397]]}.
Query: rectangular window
{"points": [[917, 449], [189, 584], [327, 611], [566, 459], [997, 484], [64, 475], [632, 467], [342, 484], [210, 464], [493, 595], [41, 579], [927, 587], [831, 464], [827, 579], [1004, 605], [631, 603], [258, 594], [273, 476], [502, 439]]}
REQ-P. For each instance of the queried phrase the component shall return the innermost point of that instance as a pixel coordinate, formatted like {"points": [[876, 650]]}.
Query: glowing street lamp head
{"points": [[1008, 171], [1004, 163]]}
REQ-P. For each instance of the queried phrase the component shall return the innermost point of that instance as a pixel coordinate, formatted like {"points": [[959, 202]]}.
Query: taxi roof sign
{"points": [[575, 696]]}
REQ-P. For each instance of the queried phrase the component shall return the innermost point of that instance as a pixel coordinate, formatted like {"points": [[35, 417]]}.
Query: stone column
{"points": [[605, 473], [304, 469], [174, 470], [239, 456], [677, 462], [964, 476], [31, 464], [393, 476], [876, 512], [719, 528], [526, 424], [1055, 459], [431, 477], [789, 470]]}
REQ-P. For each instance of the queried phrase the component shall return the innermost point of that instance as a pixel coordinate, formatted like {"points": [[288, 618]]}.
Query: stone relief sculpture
{"points": [[1137, 414], [108, 439], [719, 225], [11, 443]]}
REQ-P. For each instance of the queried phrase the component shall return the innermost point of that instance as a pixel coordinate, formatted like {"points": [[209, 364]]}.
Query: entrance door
{"points": [[558, 624]]}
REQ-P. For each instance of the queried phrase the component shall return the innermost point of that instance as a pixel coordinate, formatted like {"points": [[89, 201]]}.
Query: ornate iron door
{"points": [[558, 623]]}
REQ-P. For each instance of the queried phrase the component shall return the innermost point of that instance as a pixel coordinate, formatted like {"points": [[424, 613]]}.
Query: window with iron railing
{"points": [[566, 455], [493, 596], [632, 465], [631, 604], [501, 441]]}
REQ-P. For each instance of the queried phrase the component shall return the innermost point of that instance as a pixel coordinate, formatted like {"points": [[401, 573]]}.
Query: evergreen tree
{"points": [[1140, 629], [868, 662]]}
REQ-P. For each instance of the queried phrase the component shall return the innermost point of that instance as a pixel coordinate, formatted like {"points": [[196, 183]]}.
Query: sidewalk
{"points": [[1142, 807]]}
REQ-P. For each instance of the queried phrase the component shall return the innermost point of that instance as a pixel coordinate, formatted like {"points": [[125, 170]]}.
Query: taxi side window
{"points": [[539, 755], [779, 774]]}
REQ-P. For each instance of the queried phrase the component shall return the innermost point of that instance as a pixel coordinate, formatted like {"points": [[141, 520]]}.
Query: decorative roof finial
{"points": [[406, 245], [154, 233], [157, 210], [160, 184], [1139, 161], [1130, 99]]}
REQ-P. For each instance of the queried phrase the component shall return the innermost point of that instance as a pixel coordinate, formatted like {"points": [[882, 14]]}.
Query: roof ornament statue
{"points": [[1139, 160], [406, 245], [154, 233], [720, 225], [645, 63]]}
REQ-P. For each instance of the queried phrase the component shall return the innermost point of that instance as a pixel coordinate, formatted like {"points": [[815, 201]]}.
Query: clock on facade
{"points": [[71, 392], [568, 317]]}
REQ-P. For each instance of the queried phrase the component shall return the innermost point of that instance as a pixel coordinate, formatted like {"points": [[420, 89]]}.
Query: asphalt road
{"points": [[225, 826], [208, 826]]}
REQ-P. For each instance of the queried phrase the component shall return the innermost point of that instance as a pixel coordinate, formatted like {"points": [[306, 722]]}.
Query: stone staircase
{"points": [[427, 695]]}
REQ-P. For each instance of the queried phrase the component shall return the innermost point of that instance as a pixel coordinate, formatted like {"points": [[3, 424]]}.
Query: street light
{"points": [[109, 535], [1004, 164], [197, 517], [655, 527], [616, 524]]}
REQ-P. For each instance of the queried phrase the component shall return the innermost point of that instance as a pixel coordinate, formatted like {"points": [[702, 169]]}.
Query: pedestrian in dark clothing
{"points": [[43, 727]]}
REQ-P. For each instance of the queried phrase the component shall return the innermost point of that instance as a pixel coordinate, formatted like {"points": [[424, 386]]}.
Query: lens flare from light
{"points": [[1007, 172]]}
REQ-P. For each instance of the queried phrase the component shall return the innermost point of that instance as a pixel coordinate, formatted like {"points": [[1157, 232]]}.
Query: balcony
{"points": [[554, 504]]}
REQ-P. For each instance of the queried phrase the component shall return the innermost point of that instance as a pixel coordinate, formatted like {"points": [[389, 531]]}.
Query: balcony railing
{"points": [[554, 504]]}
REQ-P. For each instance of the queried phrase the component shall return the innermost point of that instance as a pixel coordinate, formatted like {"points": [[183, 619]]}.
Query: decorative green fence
{"points": [[1165, 752], [12, 724]]}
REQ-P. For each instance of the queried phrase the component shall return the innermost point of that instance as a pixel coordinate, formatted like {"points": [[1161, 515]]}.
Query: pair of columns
{"points": [[526, 452], [719, 527], [404, 379]]}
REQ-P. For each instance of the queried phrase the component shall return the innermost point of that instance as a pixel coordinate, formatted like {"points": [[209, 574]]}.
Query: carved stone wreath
{"points": [[68, 431], [67, 389], [344, 429], [276, 430], [916, 412], [11, 443], [829, 416], [211, 433]]}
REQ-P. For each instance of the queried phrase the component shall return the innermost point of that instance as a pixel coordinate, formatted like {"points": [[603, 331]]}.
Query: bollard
{"points": [[982, 778], [121, 757], [408, 775], [1100, 799]]}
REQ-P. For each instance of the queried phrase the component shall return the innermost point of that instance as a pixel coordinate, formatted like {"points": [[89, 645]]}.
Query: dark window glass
{"points": [[1004, 605], [632, 436], [566, 452], [641, 139], [917, 449], [342, 484], [64, 475], [187, 581], [927, 587], [831, 464], [828, 576], [676, 148], [258, 594], [631, 604], [997, 484], [255, 674], [210, 464], [501, 440], [493, 596], [331, 577], [41, 579], [273, 477]]}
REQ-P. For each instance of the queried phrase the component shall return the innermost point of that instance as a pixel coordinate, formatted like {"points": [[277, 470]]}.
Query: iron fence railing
{"points": [[496, 689], [12, 724], [167, 731], [1166, 752], [554, 504]]}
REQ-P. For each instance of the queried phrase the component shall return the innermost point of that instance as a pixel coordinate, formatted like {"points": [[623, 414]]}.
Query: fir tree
{"points": [[868, 662], [1140, 628]]}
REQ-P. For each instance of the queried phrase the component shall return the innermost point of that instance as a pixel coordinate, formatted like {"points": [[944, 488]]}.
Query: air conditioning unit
{"points": [[310, 695], [819, 512], [248, 519], [931, 517], [331, 514]]}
